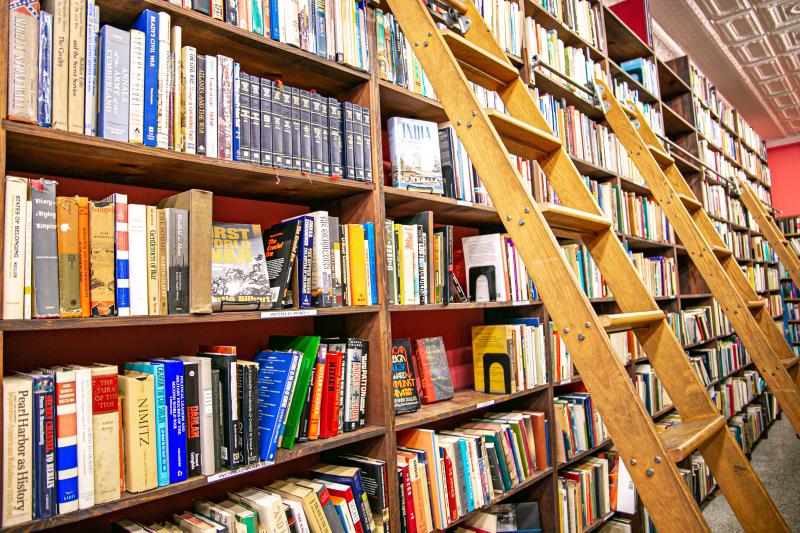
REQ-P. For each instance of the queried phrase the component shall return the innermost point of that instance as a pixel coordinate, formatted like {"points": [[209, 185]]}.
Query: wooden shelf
{"points": [[664, 411], [257, 54], [674, 124], [594, 526], [558, 88], [463, 402], [42, 150], [640, 243], [544, 18], [582, 455], [629, 185], [460, 306], [622, 44], [670, 84], [401, 203], [129, 500], [397, 101], [172, 320], [645, 96]]}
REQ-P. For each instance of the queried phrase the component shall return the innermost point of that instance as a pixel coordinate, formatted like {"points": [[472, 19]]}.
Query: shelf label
{"points": [[520, 302], [465, 203], [484, 404], [287, 313], [239, 471]]}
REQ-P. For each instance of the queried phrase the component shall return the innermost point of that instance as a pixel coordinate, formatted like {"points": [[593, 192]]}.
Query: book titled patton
{"points": [[414, 150]]}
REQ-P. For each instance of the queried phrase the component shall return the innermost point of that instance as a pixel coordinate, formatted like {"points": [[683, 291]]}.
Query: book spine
{"points": [[163, 48], [305, 132], [121, 254], [202, 105], [114, 96], [163, 260], [191, 381], [176, 421], [251, 408], [16, 247], [260, 136], [148, 23], [23, 66], [45, 81], [44, 249], [178, 261], [335, 136], [77, 65], [176, 90], [349, 141], [232, 12], [316, 134], [217, 414], [105, 434], [67, 439], [139, 256], [283, 407], [364, 347], [276, 114], [225, 113], [152, 245], [45, 497], [101, 256], [236, 112], [218, 9], [137, 95], [84, 275], [304, 266], [83, 404], [286, 114], [90, 102], [230, 390], [18, 446], [138, 412], [358, 141], [257, 16], [366, 133], [60, 14], [189, 98], [297, 130], [245, 112], [68, 257], [212, 107]]}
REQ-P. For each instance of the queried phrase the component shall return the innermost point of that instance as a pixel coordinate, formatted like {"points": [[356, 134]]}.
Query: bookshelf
{"points": [[244, 192]]}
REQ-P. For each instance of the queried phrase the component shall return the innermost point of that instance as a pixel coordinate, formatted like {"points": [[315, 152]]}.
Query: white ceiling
{"points": [[750, 49]]}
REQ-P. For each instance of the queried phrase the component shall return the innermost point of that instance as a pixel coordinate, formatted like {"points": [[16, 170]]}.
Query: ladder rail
{"points": [[601, 370], [730, 294]]}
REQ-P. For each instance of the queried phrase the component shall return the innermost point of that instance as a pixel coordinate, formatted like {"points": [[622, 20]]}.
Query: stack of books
{"points": [[338, 498], [445, 475]]}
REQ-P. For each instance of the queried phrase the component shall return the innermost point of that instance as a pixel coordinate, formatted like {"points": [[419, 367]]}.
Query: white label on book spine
{"points": [[289, 313], [484, 404], [465, 203]]}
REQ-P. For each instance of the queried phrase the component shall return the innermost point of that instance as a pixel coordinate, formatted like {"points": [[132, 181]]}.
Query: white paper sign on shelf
{"points": [[288, 313]]}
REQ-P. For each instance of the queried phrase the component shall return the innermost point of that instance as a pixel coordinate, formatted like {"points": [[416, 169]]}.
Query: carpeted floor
{"points": [[777, 462]]}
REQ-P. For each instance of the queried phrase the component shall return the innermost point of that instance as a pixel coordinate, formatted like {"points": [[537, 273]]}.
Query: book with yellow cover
{"points": [[153, 260], [493, 359], [83, 247], [139, 423], [357, 265], [69, 257], [77, 65], [105, 432], [101, 252]]}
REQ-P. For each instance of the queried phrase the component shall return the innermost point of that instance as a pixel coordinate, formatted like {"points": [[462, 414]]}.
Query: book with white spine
{"points": [[212, 107], [90, 103], [83, 402], [136, 88], [137, 242], [163, 124], [189, 94], [15, 247]]}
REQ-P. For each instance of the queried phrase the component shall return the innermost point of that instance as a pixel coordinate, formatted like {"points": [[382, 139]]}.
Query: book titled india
{"points": [[176, 418], [433, 370], [121, 260], [415, 156], [239, 277], [45, 88], [45, 494], [404, 383], [114, 98], [44, 249], [147, 23]]}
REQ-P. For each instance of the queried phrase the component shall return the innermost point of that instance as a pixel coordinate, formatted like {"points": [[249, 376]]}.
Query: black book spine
{"points": [[316, 133], [232, 12], [286, 113], [305, 131], [243, 427], [297, 133], [178, 248], [255, 120], [335, 132], [363, 346], [366, 131], [277, 125], [348, 139], [232, 456], [325, 152], [202, 6], [245, 112], [219, 425], [252, 411], [358, 141], [200, 127], [305, 416], [191, 383], [403, 518], [266, 123]]}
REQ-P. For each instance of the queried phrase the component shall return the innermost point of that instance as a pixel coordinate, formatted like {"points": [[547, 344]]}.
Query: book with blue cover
{"points": [[176, 418], [45, 85], [305, 250], [276, 378], [113, 74], [147, 23], [45, 493], [369, 234], [160, 394]]}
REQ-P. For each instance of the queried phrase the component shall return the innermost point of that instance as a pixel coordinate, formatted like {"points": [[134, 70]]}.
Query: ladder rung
{"points": [[690, 203], [756, 304], [626, 321], [683, 438], [522, 139], [790, 362], [661, 156], [721, 251], [572, 221], [483, 68]]}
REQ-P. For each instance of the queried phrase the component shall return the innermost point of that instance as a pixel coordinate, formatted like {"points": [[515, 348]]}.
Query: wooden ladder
{"points": [[766, 223], [745, 310], [451, 61]]}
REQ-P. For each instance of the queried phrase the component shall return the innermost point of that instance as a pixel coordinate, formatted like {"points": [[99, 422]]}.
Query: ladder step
{"points": [[662, 157], [683, 438], [522, 139], [572, 223], [790, 362], [481, 67], [626, 321], [721, 251], [690, 203], [756, 304]]}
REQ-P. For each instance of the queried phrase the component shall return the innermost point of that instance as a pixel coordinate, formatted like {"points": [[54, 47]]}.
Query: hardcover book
{"points": [[136, 70], [76, 97], [114, 76], [433, 370], [67, 439], [68, 257], [415, 156], [223, 358], [45, 493], [147, 22], [121, 252], [138, 412], [404, 382], [101, 246], [14, 247], [191, 382], [60, 11], [206, 411], [83, 409], [177, 255], [160, 413], [23, 69], [17, 467], [174, 386], [105, 433], [138, 262], [84, 248], [281, 252], [44, 249], [45, 86], [239, 277], [276, 377]]}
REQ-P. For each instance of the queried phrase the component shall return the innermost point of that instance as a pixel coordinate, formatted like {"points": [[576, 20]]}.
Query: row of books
{"points": [[508, 358], [578, 426], [461, 180], [762, 278], [193, 415], [397, 62], [715, 363], [586, 270], [730, 146], [151, 90], [774, 304], [504, 18], [546, 47], [749, 161], [734, 393], [707, 126], [697, 324], [702, 88], [749, 136], [637, 215], [658, 273], [347, 498], [644, 71], [650, 389], [581, 16], [494, 271], [625, 92], [583, 494], [467, 467], [762, 250], [420, 373], [748, 426]]}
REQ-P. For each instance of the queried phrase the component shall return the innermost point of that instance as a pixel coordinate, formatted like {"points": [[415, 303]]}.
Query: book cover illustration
{"points": [[415, 156], [404, 382], [239, 278], [434, 370]]}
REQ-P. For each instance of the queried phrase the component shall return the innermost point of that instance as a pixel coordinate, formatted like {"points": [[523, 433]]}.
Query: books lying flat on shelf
{"points": [[151, 90], [105, 257], [466, 468]]}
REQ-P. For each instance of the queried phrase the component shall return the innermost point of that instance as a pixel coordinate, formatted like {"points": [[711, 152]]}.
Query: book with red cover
{"points": [[636, 15], [540, 440], [408, 495], [433, 370], [451, 485], [329, 415], [344, 491]]}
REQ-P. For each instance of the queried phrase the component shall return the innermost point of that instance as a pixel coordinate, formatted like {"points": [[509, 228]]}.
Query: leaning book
{"points": [[415, 156], [239, 279]]}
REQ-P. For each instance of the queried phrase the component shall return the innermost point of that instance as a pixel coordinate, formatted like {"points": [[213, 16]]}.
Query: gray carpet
{"points": [[777, 462]]}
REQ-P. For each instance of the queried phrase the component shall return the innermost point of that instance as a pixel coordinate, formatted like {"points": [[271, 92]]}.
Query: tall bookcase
{"points": [[247, 193]]}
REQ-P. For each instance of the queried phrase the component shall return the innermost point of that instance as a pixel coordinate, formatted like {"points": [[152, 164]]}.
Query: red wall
{"points": [[784, 167]]}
